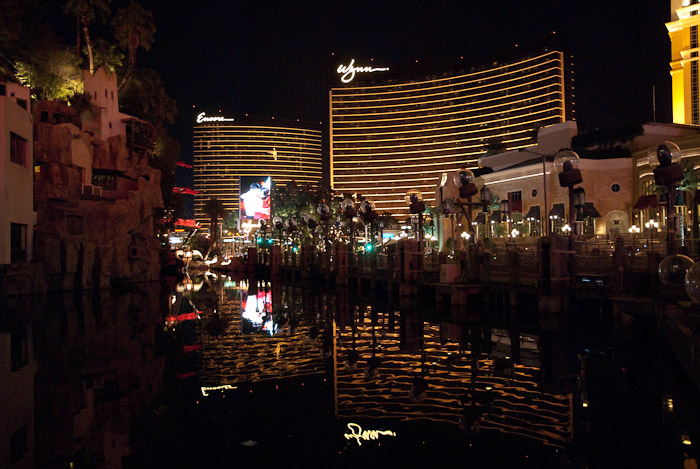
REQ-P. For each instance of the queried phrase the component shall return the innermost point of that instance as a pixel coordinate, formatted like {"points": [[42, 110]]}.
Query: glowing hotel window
{"points": [[388, 138], [226, 151]]}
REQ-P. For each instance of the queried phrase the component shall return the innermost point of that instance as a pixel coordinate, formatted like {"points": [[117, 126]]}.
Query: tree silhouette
{"points": [[87, 11], [215, 210], [133, 28]]}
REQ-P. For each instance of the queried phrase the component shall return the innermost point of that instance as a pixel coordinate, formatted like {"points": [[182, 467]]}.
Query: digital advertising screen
{"points": [[255, 197]]}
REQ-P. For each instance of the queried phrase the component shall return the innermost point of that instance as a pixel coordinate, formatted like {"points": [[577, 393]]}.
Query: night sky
{"points": [[275, 58]]}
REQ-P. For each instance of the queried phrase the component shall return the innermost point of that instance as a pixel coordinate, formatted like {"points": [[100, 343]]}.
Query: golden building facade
{"points": [[226, 149], [389, 137], [685, 83]]}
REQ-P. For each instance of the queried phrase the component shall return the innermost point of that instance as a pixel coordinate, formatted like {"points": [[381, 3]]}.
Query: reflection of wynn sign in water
{"points": [[348, 71], [358, 434], [201, 117]]}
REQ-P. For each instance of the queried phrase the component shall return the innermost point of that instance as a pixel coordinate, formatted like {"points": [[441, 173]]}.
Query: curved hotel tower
{"points": [[387, 137], [226, 149]]}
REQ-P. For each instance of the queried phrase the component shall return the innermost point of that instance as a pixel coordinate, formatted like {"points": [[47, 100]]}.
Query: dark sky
{"points": [[274, 58]]}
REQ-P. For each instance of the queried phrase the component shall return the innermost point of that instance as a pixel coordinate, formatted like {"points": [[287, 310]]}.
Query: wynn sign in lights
{"points": [[347, 72]]}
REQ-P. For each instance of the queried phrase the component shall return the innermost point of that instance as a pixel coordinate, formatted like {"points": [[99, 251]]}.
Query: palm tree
{"points": [[106, 55], [87, 11], [215, 209], [133, 28]]}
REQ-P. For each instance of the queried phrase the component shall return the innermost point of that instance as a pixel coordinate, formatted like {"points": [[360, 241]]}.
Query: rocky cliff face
{"points": [[95, 201]]}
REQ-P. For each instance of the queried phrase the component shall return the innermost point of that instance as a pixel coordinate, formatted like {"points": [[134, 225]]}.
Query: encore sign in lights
{"points": [[201, 117], [348, 71]]}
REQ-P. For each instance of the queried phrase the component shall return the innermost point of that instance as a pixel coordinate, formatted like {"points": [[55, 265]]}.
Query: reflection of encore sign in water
{"points": [[358, 434], [349, 71], [202, 118]]}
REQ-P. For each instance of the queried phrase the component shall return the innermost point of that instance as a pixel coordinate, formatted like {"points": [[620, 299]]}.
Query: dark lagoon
{"points": [[222, 372]]}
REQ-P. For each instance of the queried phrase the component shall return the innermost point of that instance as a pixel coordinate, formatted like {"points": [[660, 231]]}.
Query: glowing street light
{"points": [[465, 236], [566, 229], [651, 227], [634, 229]]}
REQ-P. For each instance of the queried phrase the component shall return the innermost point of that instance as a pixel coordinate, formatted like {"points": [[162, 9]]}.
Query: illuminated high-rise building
{"points": [[226, 149], [389, 134], [685, 82]]}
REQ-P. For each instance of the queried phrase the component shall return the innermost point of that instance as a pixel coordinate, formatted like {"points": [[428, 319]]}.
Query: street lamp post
{"points": [[465, 181], [665, 158], [369, 214], [485, 201], [279, 225], [465, 237], [651, 227], [544, 185], [569, 175], [347, 206], [505, 210], [579, 203], [414, 199], [634, 229], [291, 225]]}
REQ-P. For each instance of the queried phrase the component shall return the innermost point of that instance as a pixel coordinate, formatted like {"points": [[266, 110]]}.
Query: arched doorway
{"points": [[616, 222]]}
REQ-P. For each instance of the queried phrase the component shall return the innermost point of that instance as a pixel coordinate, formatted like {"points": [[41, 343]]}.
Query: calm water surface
{"points": [[222, 373]]}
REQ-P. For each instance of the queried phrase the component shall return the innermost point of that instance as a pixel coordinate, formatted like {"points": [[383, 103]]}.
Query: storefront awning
{"points": [[590, 211], [495, 216], [481, 218], [557, 211], [534, 212], [645, 202], [186, 223]]}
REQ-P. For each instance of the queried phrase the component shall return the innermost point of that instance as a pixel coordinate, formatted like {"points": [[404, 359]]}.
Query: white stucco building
{"points": [[17, 214]]}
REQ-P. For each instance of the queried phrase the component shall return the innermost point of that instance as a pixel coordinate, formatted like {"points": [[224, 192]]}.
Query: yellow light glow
{"points": [[348, 71], [216, 388], [358, 434]]}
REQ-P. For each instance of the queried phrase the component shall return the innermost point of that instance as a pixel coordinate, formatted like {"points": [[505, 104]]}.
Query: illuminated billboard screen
{"points": [[255, 197]]}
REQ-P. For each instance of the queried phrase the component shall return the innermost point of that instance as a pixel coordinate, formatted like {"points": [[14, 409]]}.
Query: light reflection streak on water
{"points": [[515, 405], [276, 353]]}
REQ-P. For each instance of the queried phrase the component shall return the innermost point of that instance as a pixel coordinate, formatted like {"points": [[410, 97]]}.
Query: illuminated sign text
{"points": [[348, 71], [216, 388], [201, 117], [358, 434]]}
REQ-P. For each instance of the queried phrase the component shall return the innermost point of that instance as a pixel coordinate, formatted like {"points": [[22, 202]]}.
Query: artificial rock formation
{"points": [[95, 201]]}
